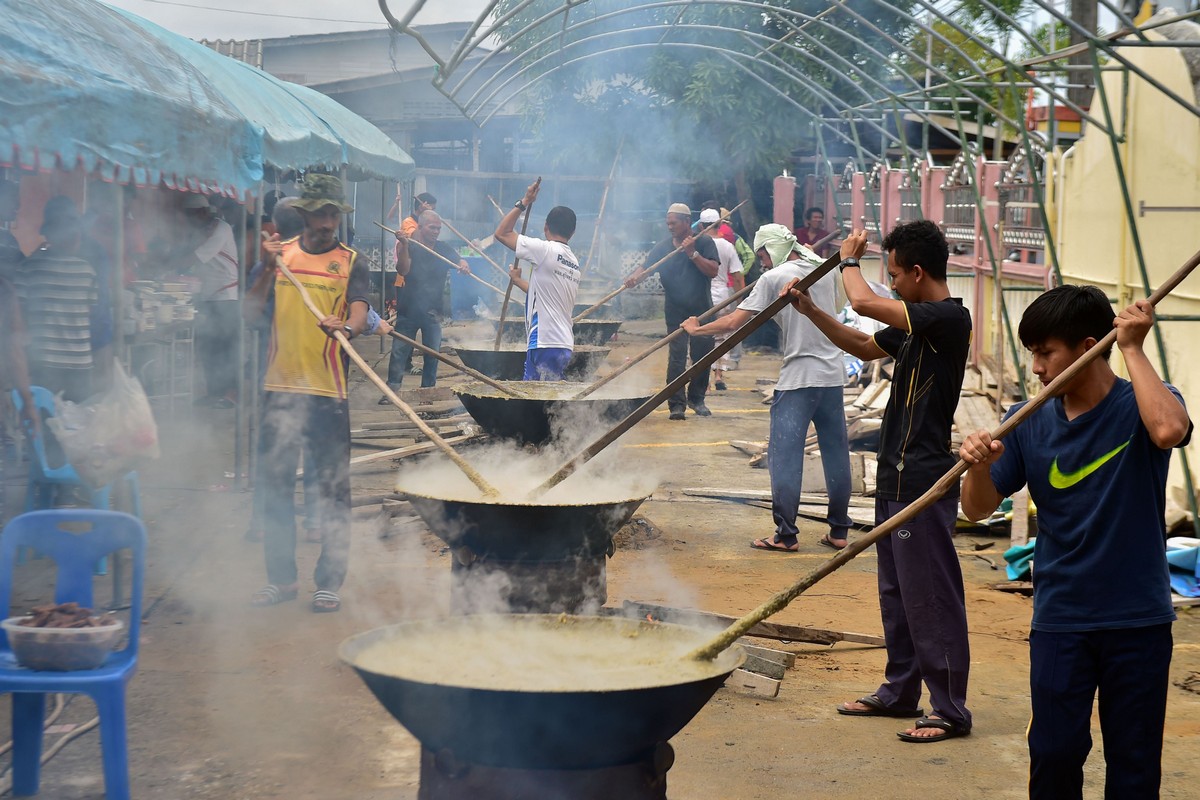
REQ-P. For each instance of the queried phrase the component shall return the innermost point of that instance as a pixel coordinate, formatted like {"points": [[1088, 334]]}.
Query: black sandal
{"points": [[876, 708], [952, 730]]}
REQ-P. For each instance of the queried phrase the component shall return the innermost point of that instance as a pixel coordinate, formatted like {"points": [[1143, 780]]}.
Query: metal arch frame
{"points": [[1020, 75]]}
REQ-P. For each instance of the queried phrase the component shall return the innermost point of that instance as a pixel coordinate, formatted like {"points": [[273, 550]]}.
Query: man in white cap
{"points": [[687, 291], [729, 279], [809, 390]]}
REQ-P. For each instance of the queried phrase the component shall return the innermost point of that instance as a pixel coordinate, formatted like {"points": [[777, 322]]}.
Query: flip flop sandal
{"points": [[876, 708], [825, 541], [272, 595], [325, 602], [952, 731], [768, 544]]}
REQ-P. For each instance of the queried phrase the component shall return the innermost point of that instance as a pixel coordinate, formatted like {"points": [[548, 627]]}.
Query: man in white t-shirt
{"points": [[216, 258], [550, 290], [729, 279], [809, 390]]}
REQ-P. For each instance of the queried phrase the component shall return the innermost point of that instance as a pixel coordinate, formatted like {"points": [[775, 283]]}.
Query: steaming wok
{"points": [[508, 364], [535, 421], [603, 312], [517, 531], [586, 331], [451, 685], [595, 331]]}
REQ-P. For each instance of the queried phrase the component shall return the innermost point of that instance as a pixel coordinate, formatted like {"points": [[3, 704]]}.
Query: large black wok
{"points": [[448, 707], [518, 531], [535, 421], [595, 331], [508, 364], [586, 331]]}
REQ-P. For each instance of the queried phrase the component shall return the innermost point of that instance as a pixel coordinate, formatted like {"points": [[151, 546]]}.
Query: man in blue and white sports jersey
{"points": [[550, 290]]}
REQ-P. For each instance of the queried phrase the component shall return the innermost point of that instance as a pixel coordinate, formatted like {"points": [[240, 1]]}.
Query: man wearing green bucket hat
{"points": [[304, 399]]}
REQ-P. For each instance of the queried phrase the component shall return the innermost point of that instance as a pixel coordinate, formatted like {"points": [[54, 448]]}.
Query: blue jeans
{"points": [[430, 326], [791, 413], [1129, 667]]}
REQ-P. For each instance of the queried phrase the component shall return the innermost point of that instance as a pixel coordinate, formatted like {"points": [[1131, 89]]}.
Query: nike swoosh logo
{"points": [[1065, 480]]}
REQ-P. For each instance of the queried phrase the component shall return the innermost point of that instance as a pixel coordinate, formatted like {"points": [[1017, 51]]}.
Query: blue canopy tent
{"points": [[84, 85]]}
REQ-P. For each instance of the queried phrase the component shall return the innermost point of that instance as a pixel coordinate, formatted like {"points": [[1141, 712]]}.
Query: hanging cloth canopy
{"points": [[85, 85]]}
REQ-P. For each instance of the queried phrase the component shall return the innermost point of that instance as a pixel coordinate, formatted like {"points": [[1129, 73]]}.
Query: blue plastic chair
{"points": [[54, 533], [39, 491]]}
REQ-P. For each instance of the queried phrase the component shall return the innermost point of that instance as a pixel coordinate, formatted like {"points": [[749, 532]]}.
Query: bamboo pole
{"points": [[475, 247], [436, 254], [477, 479], [463, 368], [944, 484], [642, 411], [675, 334], [511, 280], [592, 309], [612, 174]]}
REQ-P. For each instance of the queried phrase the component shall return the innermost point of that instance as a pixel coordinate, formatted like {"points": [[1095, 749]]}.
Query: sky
{"points": [[227, 19]]}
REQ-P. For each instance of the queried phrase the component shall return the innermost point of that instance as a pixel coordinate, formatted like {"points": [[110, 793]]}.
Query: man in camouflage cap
{"points": [[304, 398]]}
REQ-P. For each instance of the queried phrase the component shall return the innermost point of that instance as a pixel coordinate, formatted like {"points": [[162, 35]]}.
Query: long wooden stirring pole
{"points": [[475, 247], [348, 349], [511, 280], [675, 334], [944, 484], [612, 174], [438, 255], [463, 368], [642, 411], [592, 309]]}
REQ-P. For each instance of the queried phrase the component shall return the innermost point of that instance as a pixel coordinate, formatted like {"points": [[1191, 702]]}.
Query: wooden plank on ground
{"points": [[762, 666], [781, 657], [763, 630], [413, 450], [758, 685], [861, 516], [764, 494]]}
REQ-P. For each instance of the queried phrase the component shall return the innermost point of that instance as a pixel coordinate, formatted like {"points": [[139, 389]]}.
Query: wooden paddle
{"points": [[592, 309], [780, 601], [438, 255], [642, 411], [477, 479], [511, 280], [612, 174]]}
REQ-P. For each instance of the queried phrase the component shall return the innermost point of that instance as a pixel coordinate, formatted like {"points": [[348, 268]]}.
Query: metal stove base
{"points": [[445, 777]]}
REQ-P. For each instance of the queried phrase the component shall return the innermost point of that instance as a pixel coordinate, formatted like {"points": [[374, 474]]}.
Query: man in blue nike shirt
{"points": [[1095, 459]]}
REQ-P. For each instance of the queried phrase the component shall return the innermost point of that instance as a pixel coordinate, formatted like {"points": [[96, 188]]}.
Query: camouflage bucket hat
{"points": [[319, 191]]}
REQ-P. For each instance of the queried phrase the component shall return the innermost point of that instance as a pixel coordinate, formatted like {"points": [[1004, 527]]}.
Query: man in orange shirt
{"points": [[304, 399]]}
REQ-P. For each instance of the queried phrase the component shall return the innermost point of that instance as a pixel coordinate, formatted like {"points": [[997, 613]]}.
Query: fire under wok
{"points": [[545, 410], [508, 363], [539, 691]]}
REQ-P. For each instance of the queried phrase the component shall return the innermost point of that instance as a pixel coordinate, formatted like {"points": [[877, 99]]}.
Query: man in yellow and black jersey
{"points": [[921, 597], [304, 399]]}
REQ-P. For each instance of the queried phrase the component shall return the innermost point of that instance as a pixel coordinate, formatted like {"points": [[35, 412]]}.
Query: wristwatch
{"points": [[847, 262], [519, 205], [349, 331], [694, 254]]}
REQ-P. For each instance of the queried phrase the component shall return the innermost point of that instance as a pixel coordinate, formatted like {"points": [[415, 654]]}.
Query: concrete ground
{"points": [[237, 703]]}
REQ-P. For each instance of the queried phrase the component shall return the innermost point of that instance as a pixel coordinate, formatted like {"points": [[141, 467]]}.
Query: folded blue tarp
{"points": [[1184, 564]]}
